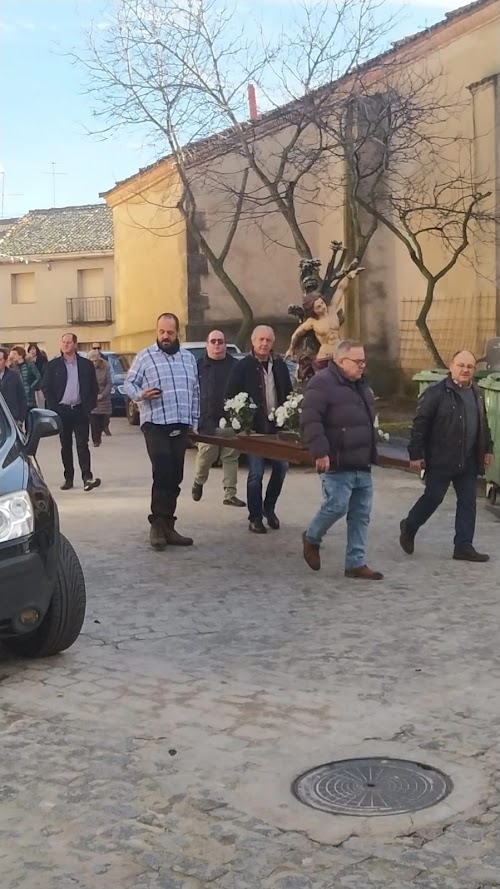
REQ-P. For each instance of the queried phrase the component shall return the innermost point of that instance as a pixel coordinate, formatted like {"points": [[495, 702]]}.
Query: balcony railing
{"points": [[89, 310]]}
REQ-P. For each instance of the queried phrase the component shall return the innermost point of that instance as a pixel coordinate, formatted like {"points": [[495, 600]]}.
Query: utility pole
{"points": [[52, 172]]}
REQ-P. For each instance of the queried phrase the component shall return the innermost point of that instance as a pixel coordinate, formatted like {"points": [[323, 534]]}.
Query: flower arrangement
{"points": [[287, 416], [380, 432], [240, 411]]}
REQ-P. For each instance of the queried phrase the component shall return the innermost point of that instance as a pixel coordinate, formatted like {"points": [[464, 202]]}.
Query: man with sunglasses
{"points": [[338, 413], [214, 370]]}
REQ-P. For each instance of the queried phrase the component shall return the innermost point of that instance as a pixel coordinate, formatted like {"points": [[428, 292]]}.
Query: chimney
{"points": [[252, 102]]}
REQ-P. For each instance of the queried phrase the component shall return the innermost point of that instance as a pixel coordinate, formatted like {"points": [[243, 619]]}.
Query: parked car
{"points": [[119, 364], [197, 349], [42, 588]]}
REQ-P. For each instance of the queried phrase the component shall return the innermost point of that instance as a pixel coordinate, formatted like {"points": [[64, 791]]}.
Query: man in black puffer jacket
{"points": [[338, 413], [451, 440]]}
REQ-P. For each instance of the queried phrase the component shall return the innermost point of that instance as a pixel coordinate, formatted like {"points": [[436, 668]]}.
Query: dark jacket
{"points": [[55, 379], [213, 377], [248, 376], [31, 380], [12, 389], [337, 419], [438, 432]]}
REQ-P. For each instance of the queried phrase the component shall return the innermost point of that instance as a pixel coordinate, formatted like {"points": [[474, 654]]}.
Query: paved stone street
{"points": [[158, 753]]}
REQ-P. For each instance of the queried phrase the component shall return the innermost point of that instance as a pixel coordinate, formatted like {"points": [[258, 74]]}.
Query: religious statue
{"points": [[317, 317]]}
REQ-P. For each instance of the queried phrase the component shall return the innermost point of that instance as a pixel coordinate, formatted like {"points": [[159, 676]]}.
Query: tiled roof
{"points": [[85, 229], [6, 224], [219, 143]]}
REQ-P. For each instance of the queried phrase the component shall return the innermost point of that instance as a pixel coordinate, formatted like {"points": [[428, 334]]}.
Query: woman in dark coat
{"points": [[99, 418]]}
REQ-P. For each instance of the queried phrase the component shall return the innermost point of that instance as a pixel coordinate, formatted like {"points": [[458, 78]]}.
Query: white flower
{"points": [[270, 416], [376, 422], [386, 436], [222, 423], [235, 423]]}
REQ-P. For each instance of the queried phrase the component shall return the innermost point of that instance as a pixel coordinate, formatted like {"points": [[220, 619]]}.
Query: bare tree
{"points": [[179, 70], [411, 170]]}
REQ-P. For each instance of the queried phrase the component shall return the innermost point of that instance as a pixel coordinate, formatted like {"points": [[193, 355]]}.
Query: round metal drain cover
{"points": [[375, 786]]}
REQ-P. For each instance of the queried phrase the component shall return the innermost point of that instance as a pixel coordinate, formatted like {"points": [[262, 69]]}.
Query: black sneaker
{"points": [[67, 485], [406, 539], [272, 520], [469, 554], [91, 483], [257, 527], [197, 492], [233, 501]]}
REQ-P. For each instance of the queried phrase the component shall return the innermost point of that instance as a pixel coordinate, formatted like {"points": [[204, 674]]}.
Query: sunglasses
{"points": [[216, 342]]}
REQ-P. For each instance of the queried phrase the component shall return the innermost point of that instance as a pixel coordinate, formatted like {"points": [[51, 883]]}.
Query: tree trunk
{"points": [[421, 323]]}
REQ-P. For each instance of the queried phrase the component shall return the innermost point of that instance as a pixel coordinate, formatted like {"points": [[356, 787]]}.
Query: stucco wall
{"points": [[45, 320], [150, 263]]}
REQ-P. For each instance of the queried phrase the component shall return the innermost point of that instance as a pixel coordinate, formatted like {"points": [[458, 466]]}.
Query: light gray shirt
{"points": [[72, 391]]}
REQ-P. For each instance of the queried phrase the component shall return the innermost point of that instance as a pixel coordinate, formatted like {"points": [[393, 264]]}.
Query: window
{"points": [[22, 288], [90, 283]]}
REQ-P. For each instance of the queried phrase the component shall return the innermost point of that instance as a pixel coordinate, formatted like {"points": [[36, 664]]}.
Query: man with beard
{"points": [[163, 381]]}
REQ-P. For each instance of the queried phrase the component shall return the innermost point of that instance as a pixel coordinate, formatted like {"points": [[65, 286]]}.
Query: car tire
{"points": [[63, 622], [132, 413]]}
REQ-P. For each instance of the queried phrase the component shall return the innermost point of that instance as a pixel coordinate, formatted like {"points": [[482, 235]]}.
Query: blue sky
{"points": [[44, 112]]}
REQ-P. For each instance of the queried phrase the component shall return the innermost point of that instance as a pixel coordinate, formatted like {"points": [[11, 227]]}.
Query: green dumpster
{"points": [[426, 378], [491, 393]]}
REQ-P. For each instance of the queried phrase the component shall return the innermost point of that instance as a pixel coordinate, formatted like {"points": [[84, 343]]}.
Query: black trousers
{"points": [[75, 422], [98, 423], [436, 486], [167, 454]]}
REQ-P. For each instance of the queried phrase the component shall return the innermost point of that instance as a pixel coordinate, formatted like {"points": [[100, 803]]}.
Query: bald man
{"points": [[264, 375], [214, 370], [451, 440]]}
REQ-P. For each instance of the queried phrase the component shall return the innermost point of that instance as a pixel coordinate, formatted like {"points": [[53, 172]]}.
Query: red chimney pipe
{"points": [[252, 102]]}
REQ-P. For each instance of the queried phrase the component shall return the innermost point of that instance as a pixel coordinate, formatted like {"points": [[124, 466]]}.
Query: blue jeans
{"points": [[256, 469], [345, 493]]}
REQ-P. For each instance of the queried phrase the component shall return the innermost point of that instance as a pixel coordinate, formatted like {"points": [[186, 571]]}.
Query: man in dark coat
{"points": [[12, 389], [265, 377], [338, 413], [214, 370], [451, 440], [70, 388]]}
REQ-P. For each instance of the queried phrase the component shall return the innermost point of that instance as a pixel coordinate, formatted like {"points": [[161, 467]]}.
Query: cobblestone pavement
{"points": [[159, 751]]}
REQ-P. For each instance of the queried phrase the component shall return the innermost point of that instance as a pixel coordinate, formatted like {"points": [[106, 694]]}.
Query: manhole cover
{"points": [[374, 786]]}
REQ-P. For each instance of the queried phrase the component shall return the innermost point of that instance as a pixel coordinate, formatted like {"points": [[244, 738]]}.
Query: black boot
{"points": [[406, 539]]}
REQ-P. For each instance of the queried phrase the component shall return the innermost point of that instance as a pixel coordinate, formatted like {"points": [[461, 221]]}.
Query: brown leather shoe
{"points": [[172, 537], [364, 573], [311, 553], [157, 537]]}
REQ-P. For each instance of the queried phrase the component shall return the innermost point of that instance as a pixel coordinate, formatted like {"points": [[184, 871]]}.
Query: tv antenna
{"points": [[53, 172], [6, 194]]}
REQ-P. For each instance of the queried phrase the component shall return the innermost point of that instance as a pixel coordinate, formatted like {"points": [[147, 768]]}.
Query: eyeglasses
{"points": [[216, 342], [361, 362]]}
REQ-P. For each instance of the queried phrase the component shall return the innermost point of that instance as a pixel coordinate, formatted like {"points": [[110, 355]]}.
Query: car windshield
{"points": [[199, 351], [120, 362]]}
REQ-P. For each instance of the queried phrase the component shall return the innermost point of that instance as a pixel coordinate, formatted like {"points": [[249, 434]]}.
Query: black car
{"points": [[42, 588]]}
